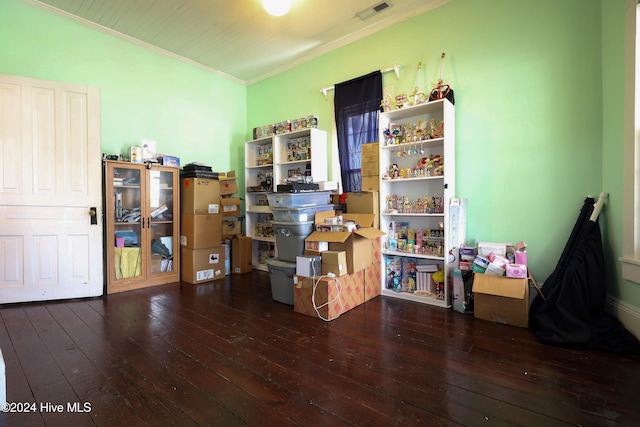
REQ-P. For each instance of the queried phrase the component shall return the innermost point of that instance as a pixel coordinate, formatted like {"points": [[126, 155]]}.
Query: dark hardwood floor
{"points": [[226, 354]]}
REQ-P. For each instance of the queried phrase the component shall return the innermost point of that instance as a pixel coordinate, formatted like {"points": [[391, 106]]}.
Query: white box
{"points": [[308, 265]]}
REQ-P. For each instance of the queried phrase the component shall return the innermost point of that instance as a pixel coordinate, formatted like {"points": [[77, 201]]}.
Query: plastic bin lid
{"points": [[275, 262], [305, 208], [291, 224]]}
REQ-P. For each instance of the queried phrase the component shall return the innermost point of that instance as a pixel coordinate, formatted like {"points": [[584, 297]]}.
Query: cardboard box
{"points": [[231, 225], [372, 281], [371, 183], [199, 196], [327, 300], [202, 265], [356, 244], [501, 299], [334, 262], [364, 202], [370, 165], [228, 184], [241, 255], [200, 231], [230, 206]]}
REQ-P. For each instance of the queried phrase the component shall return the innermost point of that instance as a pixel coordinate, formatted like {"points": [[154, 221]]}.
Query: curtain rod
{"points": [[395, 69]]}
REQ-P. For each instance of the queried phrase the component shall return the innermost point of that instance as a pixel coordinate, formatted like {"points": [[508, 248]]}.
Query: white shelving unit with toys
{"points": [[417, 184], [270, 160]]}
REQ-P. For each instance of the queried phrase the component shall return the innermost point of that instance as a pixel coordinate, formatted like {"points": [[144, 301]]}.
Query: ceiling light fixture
{"points": [[277, 7]]}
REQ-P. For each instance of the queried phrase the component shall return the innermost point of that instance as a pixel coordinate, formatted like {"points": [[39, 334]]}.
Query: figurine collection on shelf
{"points": [[298, 149], [402, 238], [285, 126], [439, 90], [404, 274], [422, 205], [433, 165], [264, 155], [419, 131]]}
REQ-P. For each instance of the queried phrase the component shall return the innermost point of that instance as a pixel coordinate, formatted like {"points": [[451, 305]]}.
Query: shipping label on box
{"points": [[201, 265], [199, 195], [230, 206], [327, 298]]}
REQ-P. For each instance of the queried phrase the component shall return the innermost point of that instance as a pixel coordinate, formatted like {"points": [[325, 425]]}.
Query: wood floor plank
{"points": [[225, 353]]}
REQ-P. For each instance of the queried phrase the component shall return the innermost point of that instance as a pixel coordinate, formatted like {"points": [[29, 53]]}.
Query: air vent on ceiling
{"points": [[377, 8]]}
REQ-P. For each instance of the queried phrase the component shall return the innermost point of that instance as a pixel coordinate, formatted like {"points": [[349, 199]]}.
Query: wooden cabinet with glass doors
{"points": [[142, 209]]}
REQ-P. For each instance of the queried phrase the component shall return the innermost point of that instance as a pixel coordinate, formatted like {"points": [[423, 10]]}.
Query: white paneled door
{"points": [[50, 191]]}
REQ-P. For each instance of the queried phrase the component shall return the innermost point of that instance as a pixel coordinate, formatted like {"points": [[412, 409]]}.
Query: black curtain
{"points": [[357, 103]]}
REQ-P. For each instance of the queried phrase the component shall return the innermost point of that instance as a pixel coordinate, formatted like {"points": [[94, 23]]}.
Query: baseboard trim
{"points": [[626, 313]]}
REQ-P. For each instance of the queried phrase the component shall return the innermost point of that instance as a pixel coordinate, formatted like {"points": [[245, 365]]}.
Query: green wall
{"points": [[190, 112], [536, 129]]}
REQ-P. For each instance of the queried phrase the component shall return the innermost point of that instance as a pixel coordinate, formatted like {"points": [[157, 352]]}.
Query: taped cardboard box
{"points": [[370, 164], [230, 206], [501, 299], [199, 196], [371, 183], [228, 184], [231, 225], [330, 304], [357, 244], [372, 285], [241, 254], [334, 262], [372, 279], [364, 202], [202, 265], [200, 231]]}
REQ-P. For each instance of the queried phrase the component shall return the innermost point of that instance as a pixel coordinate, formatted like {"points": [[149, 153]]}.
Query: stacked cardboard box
{"points": [[370, 166], [202, 253], [358, 250], [364, 202]]}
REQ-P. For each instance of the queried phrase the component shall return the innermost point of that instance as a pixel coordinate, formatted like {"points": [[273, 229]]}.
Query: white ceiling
{"points": [[237, 38]]}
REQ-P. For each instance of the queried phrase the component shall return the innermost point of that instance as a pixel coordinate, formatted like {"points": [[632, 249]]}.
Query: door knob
{"points": [[93, 214]]}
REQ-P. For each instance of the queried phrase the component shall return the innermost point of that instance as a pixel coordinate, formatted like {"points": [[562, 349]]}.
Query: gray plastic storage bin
{"points": [[281, 275], [290, 238], [298, 200], [298, 214]]}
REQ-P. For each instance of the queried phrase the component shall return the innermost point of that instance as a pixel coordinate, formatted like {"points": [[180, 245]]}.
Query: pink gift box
{"points": [[517, 271]]}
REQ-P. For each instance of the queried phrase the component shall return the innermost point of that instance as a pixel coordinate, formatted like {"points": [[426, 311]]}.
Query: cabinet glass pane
{"points": [[127, 223], [161, 221]]}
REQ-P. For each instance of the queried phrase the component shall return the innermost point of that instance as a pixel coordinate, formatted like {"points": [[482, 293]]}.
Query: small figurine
{"points": [[419, 206], [407, 205], [401, 101], [386, 103], [394, 172]]}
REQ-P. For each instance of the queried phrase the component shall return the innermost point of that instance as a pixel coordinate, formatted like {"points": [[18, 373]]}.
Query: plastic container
{"points": [[298, 214], [290, 238], [281, 275], [298, 200]]}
